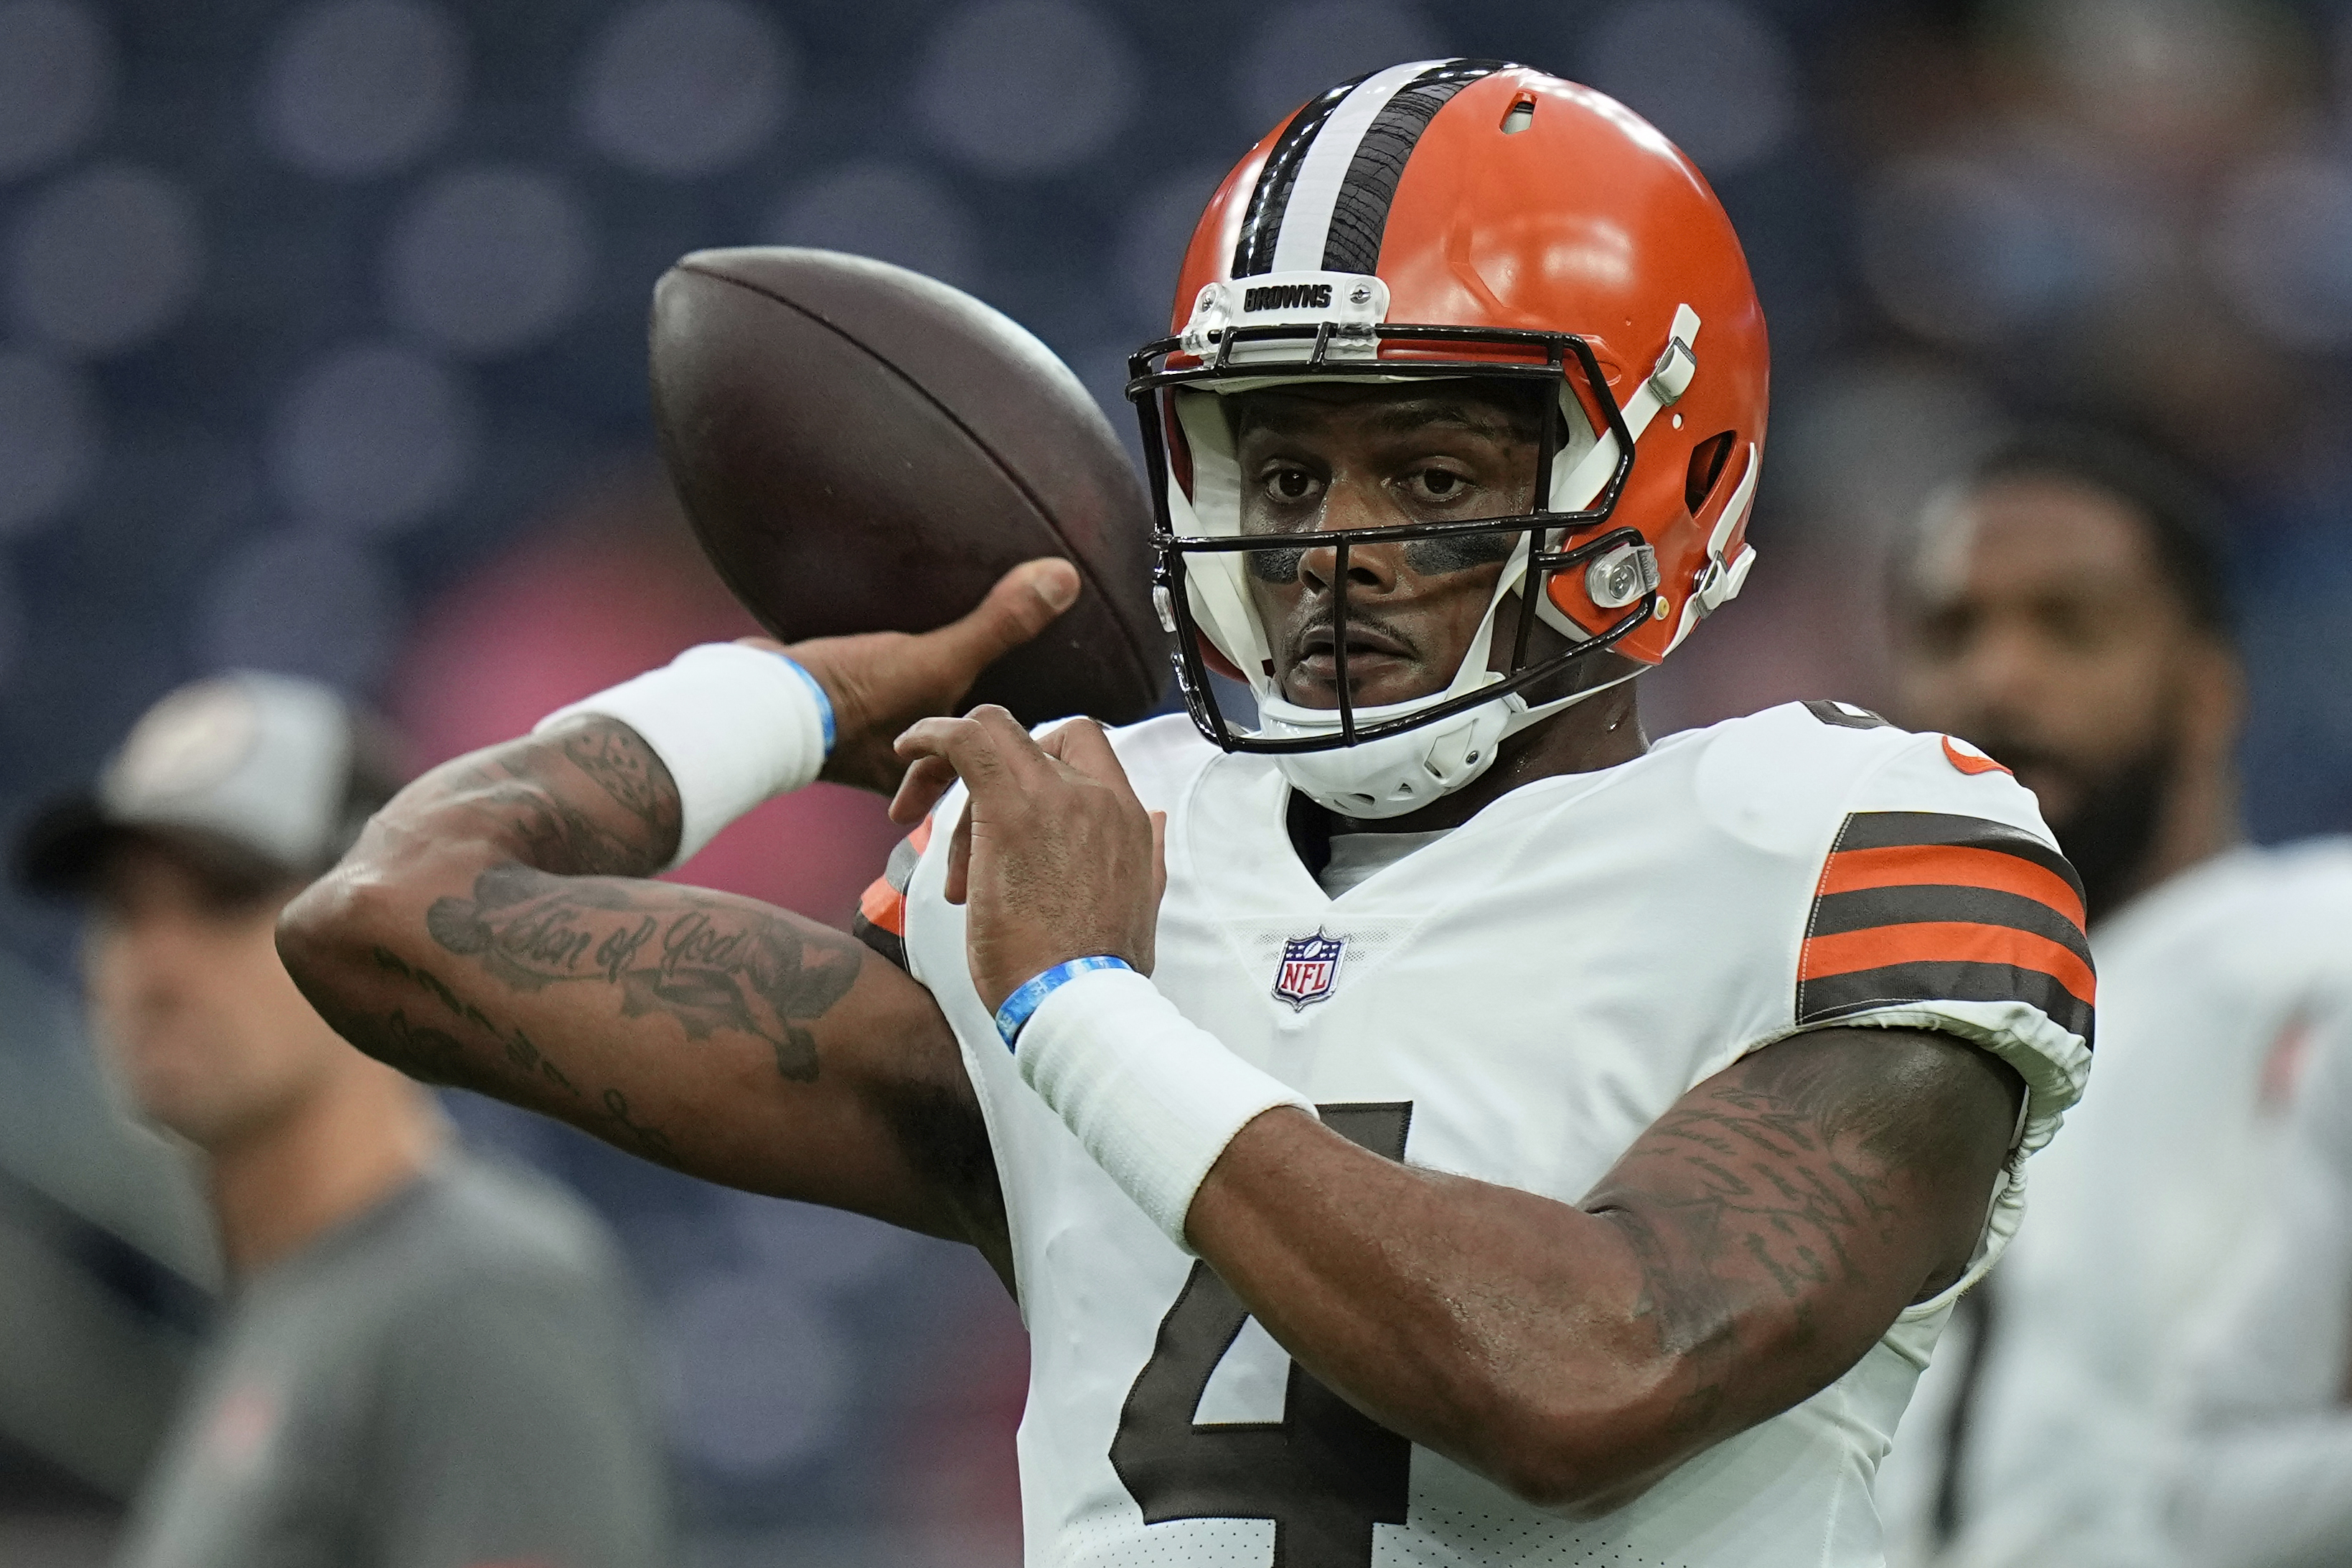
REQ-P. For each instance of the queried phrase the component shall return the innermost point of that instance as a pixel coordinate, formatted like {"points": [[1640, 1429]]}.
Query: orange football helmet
{"points": [[1450, 218]]}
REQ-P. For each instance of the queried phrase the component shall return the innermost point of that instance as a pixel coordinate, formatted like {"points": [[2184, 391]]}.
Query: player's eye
{"points": [[2075, 626], [1291, 485], [1435, 484]]}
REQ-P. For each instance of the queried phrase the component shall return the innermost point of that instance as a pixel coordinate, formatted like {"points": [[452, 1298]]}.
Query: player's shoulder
{"points": [[484, 1256], [2260, 908], [1792, 774], [1159, 753], [1163, 741], [1935, 895], [2311, 876]]}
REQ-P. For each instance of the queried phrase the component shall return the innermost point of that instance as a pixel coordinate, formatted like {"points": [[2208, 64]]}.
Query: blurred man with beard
{"points": [[2064, 608]]}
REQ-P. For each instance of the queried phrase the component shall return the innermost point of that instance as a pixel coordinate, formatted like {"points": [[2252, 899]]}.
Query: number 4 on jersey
{"points": [[1326, 1473]]}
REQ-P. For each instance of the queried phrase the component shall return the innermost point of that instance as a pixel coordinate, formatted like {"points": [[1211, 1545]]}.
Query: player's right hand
{"points": [[1054, 858], [881, 682]]}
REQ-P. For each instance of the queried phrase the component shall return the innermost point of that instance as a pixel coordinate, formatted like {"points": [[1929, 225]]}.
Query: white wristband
{"points": [[733, 725], [1153, 1097]]}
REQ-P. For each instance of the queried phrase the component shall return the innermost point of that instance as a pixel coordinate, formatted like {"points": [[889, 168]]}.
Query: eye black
{"points": [[1276, 566], [1434, 557]]}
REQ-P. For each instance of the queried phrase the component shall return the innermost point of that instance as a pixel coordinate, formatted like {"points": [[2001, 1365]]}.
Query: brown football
{"points": [[861, 448]]}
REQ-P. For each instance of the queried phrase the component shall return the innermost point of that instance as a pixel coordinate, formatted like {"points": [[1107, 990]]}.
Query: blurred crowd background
{"points": [[322, 351]]}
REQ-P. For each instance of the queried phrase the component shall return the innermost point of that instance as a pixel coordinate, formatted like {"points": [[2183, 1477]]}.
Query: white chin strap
{"points": [[1398, 773], [1403, 772]]}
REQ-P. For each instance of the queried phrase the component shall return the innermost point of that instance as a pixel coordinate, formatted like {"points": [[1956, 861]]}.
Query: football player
{"points": [[2262, 1471], [2064, 606], [1426, 1123]]}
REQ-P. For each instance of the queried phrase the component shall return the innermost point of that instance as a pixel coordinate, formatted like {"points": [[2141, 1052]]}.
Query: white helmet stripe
{"points": [[1306, 218]]}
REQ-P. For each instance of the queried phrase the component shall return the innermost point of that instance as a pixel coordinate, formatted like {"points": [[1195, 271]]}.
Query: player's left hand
{"points": [[879, 681], [1054, 858]]}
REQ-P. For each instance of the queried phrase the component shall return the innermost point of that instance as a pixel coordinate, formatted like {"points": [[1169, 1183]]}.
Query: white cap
{"points": [[253, 773]]}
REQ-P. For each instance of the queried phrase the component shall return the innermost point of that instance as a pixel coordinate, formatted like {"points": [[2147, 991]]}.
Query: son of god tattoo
{"points": [[710, 965]]}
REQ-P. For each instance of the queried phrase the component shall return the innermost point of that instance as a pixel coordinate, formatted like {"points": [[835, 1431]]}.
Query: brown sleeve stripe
{"points": [[1837, 996], [1926, 906], [881, 920], [1916, 865], [1959, 941], [889, 943]]}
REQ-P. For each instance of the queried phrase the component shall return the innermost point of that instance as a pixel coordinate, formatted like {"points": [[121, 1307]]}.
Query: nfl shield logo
{"points": [[1310, 968]]}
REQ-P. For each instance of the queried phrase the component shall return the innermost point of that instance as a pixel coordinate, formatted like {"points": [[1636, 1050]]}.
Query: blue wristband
{"points": [[824, 703], [1015, 1013]]}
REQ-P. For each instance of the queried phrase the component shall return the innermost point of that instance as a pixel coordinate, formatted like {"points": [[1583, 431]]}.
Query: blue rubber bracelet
{"points": [[824, 703], [1015, 1013]]}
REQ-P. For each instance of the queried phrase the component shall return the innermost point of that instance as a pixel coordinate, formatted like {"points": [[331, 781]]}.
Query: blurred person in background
{"points": [[2262, 1474], [426, 1361], [2063, 607]]}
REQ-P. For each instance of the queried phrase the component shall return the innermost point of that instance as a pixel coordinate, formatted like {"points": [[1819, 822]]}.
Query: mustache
{"points": [[1374, 629]]}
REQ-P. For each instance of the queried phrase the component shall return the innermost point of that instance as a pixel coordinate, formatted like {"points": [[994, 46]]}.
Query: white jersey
{"points": [[2262, 1467], [1515, 1002], [2209, 985]]}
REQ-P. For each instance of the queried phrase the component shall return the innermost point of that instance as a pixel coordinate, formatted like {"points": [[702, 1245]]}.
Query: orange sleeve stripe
{"points": [[1946, 942], [884, 906], [1951, 865]]}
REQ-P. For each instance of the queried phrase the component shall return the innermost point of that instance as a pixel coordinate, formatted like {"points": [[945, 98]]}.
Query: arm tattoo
{"points": [[560, 918], [1782, 1179], [546, 836], [710, 965], [430, 1051], [554, 834], [626, 768], [627, 826]]}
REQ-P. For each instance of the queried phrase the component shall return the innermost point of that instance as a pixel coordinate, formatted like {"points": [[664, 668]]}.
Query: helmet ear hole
{"points": [[1706, 461]]}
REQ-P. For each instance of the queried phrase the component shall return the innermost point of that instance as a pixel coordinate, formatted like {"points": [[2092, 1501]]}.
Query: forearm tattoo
{"points": [[421, 1046], [710, 965], [582, 811], [626, 824], [626, 768]]}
